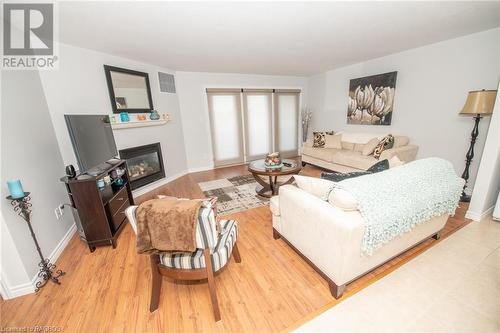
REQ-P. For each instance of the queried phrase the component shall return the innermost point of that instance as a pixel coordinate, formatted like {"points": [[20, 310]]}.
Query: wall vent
{"points": [[167, 82]]}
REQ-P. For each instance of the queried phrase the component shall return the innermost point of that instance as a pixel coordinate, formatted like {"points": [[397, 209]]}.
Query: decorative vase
{"points": [[154, 115], [124, 117]]}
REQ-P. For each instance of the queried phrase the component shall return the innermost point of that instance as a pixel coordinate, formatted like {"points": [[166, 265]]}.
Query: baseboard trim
{"points": [[21, 289], [200, 169], [62, 244], [29, 287], [475, 216], [152, 186]]}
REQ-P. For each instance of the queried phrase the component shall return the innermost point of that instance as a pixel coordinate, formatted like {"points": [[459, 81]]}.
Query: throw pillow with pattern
{"points": [[319, 138], [339, 176], [386, 143], [379, 166]]}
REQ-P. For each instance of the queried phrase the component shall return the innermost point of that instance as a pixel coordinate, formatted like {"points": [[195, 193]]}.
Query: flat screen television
{"points": [[93, 141]]}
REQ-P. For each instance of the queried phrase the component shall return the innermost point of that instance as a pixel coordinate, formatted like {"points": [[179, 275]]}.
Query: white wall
{"points": [[30, 153], [488, 176], [431, 89], [193, 102], [79, 87]]}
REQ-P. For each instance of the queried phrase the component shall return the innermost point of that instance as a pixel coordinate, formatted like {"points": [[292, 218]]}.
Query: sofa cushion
{"points": [[342, 199], [325, 154], [370, 147], [401, 141], [315, 186], [333, 141], [359, 147], [354, 159], [347, 145]]}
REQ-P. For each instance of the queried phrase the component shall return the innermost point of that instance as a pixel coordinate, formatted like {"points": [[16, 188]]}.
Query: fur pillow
{"points": [[386, 143], [319, 138]]}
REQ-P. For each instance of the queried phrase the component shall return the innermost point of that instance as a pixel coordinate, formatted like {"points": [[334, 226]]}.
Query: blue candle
{"points": [[15, 188]]}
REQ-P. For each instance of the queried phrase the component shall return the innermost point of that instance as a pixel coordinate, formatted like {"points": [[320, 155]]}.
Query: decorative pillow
{"points": [[370, 147], [395, 162], [379, 166], [386, 143], [315, 186], [319, 139], [333, 141], [342, 199], [339, 176]]}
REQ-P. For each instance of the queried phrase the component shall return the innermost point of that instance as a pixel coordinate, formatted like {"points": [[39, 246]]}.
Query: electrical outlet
{"points": [[59, 211]]}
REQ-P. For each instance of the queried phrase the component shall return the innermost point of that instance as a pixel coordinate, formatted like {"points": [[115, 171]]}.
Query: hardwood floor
{"points": [[108, 290]]}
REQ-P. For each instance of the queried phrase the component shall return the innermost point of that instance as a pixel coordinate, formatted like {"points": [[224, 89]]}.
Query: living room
{"points": [[409, 95]]}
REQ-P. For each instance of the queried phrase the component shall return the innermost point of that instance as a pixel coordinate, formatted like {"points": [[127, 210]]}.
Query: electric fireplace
{"points": [[144, 163]]}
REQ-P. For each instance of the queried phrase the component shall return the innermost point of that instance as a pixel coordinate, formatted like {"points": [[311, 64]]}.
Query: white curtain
{"points": [[247, 124], [257, 107], [286, 112], [225, 124]]}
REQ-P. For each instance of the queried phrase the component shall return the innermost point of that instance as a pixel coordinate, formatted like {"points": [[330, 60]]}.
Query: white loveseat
{"points": [[330, 237]]}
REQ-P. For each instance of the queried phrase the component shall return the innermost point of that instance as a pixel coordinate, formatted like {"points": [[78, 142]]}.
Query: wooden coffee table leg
{"points": [[263, 189]]}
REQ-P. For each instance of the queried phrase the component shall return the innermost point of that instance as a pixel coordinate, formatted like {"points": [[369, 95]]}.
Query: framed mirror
{"points": [[129, 90]]}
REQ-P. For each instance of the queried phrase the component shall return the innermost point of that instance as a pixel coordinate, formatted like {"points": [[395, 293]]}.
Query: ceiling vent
{"points": [[167, 82]]}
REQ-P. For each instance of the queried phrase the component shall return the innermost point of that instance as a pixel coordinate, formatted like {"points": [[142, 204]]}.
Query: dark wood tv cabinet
{"points": [[100, 212]]}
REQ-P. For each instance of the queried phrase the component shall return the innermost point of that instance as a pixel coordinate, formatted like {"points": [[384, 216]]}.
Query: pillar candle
{"points": [[15, 188]]}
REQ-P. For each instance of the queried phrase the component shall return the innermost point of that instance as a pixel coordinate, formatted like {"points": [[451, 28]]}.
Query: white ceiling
{"points": [[285, 38]]}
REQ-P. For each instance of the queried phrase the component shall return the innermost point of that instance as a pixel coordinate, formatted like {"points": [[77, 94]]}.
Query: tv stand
{"points": [[100, 213]]}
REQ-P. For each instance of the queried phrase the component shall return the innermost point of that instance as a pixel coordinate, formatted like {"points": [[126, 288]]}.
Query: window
{"points": [[225, 123], [247, 124]]}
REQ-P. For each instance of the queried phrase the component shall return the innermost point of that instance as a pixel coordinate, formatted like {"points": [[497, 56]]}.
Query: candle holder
{"points": [[22, 207]]}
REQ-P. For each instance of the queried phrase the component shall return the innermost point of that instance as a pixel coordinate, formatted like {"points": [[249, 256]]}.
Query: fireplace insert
{"points": [[144, 163]]}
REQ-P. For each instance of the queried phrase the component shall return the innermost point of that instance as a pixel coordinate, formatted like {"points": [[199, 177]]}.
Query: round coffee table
{"points": [[268, 189]]}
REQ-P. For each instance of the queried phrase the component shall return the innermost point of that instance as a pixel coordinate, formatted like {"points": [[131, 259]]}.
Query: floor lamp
{"points": [[478, 104]]}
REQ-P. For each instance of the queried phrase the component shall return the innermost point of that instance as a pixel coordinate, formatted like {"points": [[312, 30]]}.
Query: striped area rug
{"points": [[234, 194]]}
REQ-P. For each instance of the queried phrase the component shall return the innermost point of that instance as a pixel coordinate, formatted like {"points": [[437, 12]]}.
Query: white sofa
{"points": [[350, 157], [330, 237]]}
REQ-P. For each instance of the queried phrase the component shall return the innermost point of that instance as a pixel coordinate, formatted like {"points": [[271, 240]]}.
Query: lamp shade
{"points": [[479, 102]]}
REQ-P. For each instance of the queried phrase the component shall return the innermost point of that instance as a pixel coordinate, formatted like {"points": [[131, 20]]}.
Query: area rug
{"points": [[234, 194]]}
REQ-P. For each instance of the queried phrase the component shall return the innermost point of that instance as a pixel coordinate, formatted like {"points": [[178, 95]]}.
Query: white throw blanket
{"points": [[396, 200]]}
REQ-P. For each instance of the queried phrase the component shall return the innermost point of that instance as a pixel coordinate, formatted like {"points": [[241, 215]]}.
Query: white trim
{"points": [[4, 288], [156, 184], [29, 287], [62, 244], [22, 289], [200, 169], [139, 123], [475, 216]]}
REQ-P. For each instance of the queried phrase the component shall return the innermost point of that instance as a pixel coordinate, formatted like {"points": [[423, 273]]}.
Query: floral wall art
{"points": [[371, 99]]}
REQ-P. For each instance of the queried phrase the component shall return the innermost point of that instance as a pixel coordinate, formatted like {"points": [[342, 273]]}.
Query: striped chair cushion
{"points": [[220, 255], [206, 231]]}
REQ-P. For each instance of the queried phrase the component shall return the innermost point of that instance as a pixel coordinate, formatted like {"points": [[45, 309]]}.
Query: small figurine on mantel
{"points": [[273, 161]]}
